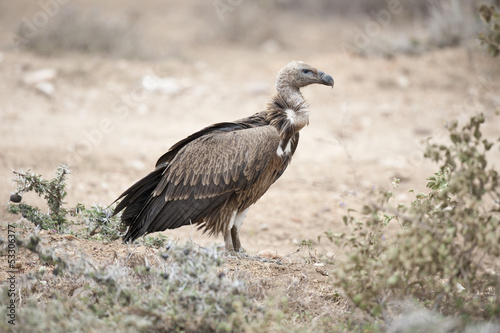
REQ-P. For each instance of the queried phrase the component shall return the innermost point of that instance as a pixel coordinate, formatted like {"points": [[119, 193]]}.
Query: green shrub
{"points": [[437, 253], [97, 221], [53, 191], [157, 241]]}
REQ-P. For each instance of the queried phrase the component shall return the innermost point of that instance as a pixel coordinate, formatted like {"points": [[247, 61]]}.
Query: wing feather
{"points": [[218, 162], [199, 174]]}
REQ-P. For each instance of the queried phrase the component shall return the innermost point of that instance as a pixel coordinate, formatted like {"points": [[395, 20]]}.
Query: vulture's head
{"points": [[298, 74]]}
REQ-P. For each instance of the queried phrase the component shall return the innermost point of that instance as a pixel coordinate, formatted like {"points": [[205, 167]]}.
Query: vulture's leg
{"points": [[235, 239], [228, 241], [231, 234], [235, 230]]}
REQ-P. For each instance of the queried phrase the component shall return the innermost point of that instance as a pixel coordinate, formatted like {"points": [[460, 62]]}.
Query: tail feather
{"points": [[133, 201]]}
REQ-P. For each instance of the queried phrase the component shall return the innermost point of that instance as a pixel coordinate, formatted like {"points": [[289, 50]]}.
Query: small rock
{"points": [[45, 88], [268, 254], [69, 237], [166, 85], [264, 227], [403, 82], [41, 75]]}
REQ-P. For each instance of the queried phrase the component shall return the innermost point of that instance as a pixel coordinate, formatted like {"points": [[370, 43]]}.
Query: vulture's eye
{"points": [[306, 71]]}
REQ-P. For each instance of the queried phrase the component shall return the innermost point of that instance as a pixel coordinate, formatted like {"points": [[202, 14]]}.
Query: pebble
{"points": [[45, 88], [41, 75], [166, 85]]}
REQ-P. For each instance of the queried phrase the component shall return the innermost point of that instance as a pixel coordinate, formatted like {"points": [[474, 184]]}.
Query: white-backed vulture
{"points": [[212, 177]]}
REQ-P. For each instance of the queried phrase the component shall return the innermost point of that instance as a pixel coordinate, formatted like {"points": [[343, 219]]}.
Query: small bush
{"points": [[53, 191], [97, 221], [444, 242], [158, 241]]}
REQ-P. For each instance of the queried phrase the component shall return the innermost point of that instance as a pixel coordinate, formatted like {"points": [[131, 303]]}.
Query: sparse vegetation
{"points": [[185, 291], [183, 288], [97, 221], [52, 191], [440, 249], [158, 241]]}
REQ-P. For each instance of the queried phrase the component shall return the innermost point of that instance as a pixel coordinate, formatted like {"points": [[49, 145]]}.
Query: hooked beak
{"points": [[325, 79]]}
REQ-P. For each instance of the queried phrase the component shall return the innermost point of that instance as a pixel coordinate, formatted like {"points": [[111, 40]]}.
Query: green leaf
{"points": [[366, 210], [421, 196], [487, 144], [477, 133], [455, 138]]}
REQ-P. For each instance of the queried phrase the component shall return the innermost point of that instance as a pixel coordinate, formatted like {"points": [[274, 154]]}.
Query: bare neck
{"points": [[290, 94]]}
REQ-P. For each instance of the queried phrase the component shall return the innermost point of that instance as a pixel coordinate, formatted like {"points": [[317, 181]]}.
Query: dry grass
{"points": [[175, 288]]}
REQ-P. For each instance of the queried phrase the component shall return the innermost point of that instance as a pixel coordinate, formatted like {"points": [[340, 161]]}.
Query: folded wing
{"points": [[199, 176]]}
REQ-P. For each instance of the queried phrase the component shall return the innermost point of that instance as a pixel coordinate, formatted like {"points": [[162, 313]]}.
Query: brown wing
{"points": [[198, 178]]}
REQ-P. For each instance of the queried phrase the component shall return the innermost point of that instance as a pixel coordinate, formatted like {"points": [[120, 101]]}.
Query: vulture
{"points": [[212, 177]]}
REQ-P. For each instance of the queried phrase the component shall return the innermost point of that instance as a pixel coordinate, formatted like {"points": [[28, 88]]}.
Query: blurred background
{"points": [[159, 29], [108, 87]]}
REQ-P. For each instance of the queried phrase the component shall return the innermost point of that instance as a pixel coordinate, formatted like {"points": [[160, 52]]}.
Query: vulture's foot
{"points": [[238, 254]]}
